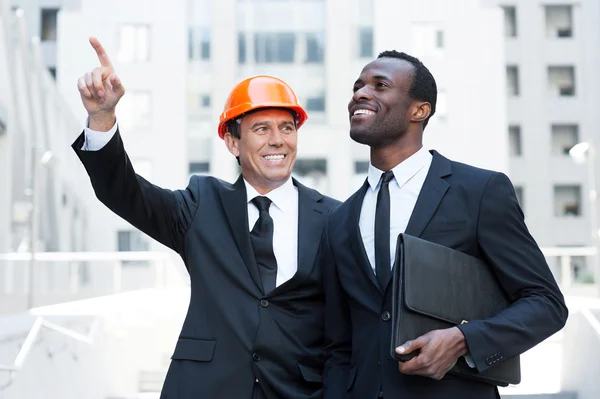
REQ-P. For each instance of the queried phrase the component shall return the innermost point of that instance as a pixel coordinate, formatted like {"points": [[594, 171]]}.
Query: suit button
{"points": [[256, 357], [385, 316], [264, 303]]}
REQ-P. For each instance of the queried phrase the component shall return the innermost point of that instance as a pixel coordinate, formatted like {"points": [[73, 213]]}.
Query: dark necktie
{"points": [[382, 231], [262, 243]]}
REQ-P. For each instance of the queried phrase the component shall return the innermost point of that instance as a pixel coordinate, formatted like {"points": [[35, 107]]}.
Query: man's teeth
{"points": [[363, 112], [274, 157]]}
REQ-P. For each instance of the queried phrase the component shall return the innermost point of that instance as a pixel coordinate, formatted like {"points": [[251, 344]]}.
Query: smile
{"points": [[274, 157], [363, 112]]}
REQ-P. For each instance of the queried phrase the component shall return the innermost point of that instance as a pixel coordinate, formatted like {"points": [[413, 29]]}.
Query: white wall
{"points": [[164, 76], [5, 143]]}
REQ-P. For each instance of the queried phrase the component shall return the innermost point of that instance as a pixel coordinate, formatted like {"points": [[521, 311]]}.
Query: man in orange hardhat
{"points": [[254, 327]]}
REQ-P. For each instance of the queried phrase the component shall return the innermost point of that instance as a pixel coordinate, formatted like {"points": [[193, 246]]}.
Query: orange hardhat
{"points": [[260, 91]]}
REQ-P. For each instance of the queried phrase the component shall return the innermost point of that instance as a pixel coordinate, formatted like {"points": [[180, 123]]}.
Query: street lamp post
{"points": [[586, 153]]}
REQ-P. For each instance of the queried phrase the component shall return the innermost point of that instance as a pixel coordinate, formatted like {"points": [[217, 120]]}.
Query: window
{"points": [[205, 44], [316, 103], [205, 100], [428, 40], [198, 168], [131, 241], [361, 167], [564, 137], [519, 193], [241, 47], [314, 47], [561, 80], [559, 21], [49, 24], [567, 200], [312, 172], [512, 80], [365, 42], [135, 109], [514, 140], [510, 21], [3, 118], [274, 47], [199, 43], [439, 39], [134, 43], [581, 272], [52, 71]]}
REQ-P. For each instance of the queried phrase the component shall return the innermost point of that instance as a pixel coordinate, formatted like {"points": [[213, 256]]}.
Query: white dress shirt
{"points": [[405, 187], [283, 210]]}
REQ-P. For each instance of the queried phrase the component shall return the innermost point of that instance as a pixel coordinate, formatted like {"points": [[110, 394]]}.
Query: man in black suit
{"points": [[411, 190], [254, 327]]}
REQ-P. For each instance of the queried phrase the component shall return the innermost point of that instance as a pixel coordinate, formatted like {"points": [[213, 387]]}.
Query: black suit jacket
{"points": [[462, 207], [233, 333]]}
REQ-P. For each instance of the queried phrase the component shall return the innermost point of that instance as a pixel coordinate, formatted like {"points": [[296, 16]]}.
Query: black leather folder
{"points": [[436, 287]]}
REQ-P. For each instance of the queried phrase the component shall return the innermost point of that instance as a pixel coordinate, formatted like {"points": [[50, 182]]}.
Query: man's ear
{"points": [[420, 111], [232, 144]]}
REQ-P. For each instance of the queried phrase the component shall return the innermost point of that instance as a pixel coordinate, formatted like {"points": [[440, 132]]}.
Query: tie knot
{"points": [[387, 177], [262, 203]]}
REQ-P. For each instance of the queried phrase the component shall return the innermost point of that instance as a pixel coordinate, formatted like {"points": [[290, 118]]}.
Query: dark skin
{"points": [[392, 126]]}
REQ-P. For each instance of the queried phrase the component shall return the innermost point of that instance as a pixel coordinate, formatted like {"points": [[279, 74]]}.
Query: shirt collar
{"points": [[281, 197], [404, 171]]}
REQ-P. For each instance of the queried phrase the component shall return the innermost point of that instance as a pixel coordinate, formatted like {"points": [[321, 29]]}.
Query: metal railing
{"points": [[65, 276]]}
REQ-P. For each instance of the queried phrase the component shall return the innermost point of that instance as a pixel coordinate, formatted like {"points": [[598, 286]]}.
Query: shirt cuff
{"points": [[469, 361], [94, 140]]}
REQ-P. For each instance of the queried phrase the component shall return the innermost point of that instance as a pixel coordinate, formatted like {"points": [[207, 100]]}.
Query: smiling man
{"points": [[254, 327], [421, 193]]}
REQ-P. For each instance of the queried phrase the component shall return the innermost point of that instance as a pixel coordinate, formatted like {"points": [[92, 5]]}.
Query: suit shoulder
{"points": [[330, 203], [344, 208], [208, 181], [475, 174], [472, 178]]}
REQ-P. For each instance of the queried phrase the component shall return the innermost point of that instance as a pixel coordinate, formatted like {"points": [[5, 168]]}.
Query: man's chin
{"points": [[361, 135], [278, 177]]}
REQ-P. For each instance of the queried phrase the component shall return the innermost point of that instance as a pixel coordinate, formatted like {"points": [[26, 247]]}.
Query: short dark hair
{"points": [[423, 87]]}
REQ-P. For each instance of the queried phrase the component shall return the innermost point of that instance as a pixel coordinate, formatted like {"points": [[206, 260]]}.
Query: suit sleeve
{"points": [[538, 309], [338, 328], [163, 214]]}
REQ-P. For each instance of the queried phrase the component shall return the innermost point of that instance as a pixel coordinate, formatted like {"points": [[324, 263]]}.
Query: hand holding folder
{"points": [[435, 287]]}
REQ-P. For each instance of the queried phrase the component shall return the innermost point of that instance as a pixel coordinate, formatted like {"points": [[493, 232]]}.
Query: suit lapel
{"points": [[235, 204], [356, 241], [434, 189], [312, 215]]}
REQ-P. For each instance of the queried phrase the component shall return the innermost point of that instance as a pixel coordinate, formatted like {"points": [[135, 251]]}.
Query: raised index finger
{"points": [[102, 56]]}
